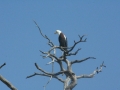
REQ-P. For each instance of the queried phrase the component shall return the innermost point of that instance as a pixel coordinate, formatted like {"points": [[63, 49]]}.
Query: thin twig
{"points": [[79, 61], [73, 53], [48, 54], [47, 82], [2, 65], [60, 79], [45, 36], [39, 28]]}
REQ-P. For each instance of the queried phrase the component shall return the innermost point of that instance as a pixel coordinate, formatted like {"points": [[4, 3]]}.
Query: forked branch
{"points": [[75, 43], [69, 54], [94, 72], [41, 74]]}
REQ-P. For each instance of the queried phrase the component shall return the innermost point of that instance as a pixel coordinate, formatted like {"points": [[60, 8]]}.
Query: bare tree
{"points": [[71, 78], [5, 81]]}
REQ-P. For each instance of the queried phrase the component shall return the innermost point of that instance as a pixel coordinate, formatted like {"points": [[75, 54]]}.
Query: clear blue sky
{"points": [[20, 41]]}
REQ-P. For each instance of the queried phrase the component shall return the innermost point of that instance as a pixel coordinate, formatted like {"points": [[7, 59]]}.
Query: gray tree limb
{"points": [[79, 61], [41, 74], [47, 73], [92, 74], [6, 82]]}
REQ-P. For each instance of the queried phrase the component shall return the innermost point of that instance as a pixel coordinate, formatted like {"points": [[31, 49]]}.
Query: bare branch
{"points": [[41, 74], [79, 61], [49, 41], [51, 55], [47, 82], [6, 82], [92, 74], [61, 65], [2, 65], [99, 70], [53, 74], [69, 54], [51, 62], [75, 43], [60, 79]]}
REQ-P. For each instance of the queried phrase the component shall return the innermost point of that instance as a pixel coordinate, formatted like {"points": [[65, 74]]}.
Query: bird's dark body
{"points": [[63, 41]]}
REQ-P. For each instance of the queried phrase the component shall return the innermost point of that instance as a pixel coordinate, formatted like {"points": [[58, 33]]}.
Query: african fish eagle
{"points": [[62, 39]]}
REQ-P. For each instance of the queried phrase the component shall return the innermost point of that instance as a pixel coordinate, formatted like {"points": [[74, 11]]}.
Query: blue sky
{"points": [[20, 41]]}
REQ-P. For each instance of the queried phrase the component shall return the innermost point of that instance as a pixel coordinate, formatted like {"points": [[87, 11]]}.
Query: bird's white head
{"points": [[58, 32]]}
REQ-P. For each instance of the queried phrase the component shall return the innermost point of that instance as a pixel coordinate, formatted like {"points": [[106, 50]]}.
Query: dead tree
{"points": [[5, 81], [71, 78]]}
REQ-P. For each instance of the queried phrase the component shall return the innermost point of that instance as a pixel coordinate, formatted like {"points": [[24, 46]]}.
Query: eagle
{"points": [[62, 39]]}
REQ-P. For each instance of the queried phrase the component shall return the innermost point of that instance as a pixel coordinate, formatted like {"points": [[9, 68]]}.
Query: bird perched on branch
{"points": [[62, 39]]}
